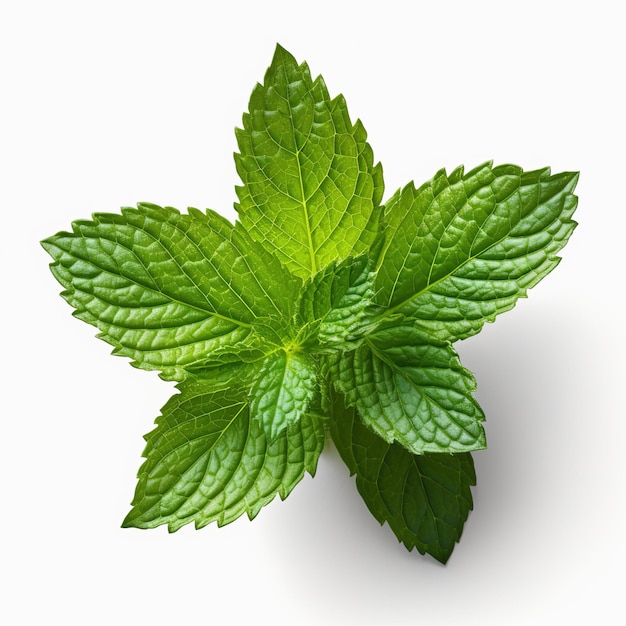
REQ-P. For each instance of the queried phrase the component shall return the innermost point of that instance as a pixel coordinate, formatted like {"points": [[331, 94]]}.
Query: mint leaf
{"points": [[336, 307], [319, 303], [411, 391], [463, 248], [310, 191], [167, 289], [208, 461], [284, 388], [425, 499]]}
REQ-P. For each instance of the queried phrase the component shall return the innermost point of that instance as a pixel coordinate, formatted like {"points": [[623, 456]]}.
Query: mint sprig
{"points": [[321, 310]]}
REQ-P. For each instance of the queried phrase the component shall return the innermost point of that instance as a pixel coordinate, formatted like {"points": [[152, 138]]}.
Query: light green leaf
{"points": [[463, 248], [425, 499], [411, 392], [283, 390], [168, 289], [310, 191], [208, 461]]}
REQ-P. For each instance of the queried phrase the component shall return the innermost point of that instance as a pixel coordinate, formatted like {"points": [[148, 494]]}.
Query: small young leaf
{"points": [[463, 248], [310, 191], [336, 308], [425, 499], [412, 392], [283, 390], [208, 461]]}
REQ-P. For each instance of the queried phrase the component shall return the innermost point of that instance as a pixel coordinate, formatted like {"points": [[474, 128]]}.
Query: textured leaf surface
{"points": [[463, 248], [208, 461], [284, 388], [310, 191], [425, 499], [336, 306], [411, 392], [168, 289]]}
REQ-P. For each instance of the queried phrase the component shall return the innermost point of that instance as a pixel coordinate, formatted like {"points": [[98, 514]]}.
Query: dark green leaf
{"points": [[425, 499]]}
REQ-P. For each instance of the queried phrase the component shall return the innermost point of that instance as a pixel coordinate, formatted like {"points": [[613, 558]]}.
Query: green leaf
{"points": [[310, 191], [425, 499], [463, 248], [167, 289], [409, 391], [336, 308], [283, 390], [208, 461]]}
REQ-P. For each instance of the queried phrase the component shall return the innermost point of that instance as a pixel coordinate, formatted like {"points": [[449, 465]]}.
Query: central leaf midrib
{"points": [[305, 210], [297, 151]]}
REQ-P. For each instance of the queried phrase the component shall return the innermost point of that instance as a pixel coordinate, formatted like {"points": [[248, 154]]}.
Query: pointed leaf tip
{"points": [[310, 192], [425, 499]]}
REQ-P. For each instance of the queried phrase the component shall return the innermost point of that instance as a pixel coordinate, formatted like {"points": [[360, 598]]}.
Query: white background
{"points": [[105, 104]]}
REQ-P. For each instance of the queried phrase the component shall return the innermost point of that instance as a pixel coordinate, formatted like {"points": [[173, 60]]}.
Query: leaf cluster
{"points": [[320, 310]]}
